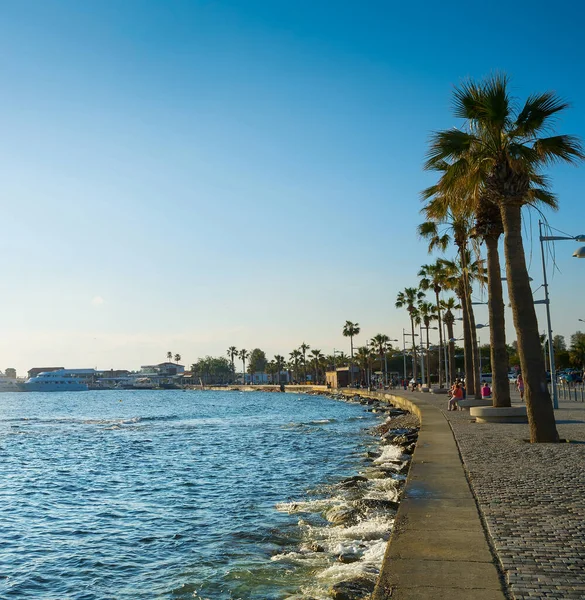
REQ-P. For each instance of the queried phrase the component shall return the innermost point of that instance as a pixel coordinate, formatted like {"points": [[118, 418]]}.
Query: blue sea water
{"points": [[168, 494]]}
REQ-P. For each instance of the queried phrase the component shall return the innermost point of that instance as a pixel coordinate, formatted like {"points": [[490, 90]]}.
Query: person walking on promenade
{"points": [[520, 386]]}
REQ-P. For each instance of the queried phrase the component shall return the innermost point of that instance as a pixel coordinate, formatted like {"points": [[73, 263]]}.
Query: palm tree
{"points": [[380, 342], [177, 358], [303, 349], [271, 369], [350, 330], [243, 354], [317, 356], [449, 305], [434, 277], [455, 218], [502, 147], [426, 310], [362, 357], [409, 299], [231, 352], [279, 360], [295, 357], [169, 356]]}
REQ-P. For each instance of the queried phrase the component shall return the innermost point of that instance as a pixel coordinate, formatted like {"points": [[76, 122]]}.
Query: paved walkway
{"points": [[531, 498], [438, 548]]}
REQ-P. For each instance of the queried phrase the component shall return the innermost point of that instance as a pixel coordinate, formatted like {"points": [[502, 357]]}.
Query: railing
{"points": [[571, 391]]}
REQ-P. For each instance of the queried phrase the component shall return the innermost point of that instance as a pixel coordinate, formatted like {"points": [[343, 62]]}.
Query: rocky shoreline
{"points": [[346, 533]]}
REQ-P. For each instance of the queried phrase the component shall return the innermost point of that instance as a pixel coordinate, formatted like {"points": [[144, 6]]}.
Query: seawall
{"points": [[438, 548]]}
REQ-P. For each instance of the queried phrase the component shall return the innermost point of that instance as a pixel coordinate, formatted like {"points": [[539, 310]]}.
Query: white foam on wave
{"points": [[389, 453], [310, 506]]}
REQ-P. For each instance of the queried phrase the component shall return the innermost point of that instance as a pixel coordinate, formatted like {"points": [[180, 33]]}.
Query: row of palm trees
{"points": [[488, 171]]}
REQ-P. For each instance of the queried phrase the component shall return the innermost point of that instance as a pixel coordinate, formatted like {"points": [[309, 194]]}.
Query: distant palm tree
{"points": [[243, 354], [231, 352], [427, 313], [295, 357], [409, 298], [177, 358], [434, 277], [279, 360], [380, 342], [303, 349], [317, 356], [169, 356], [363, 356], [449, 305], [350, 330]]}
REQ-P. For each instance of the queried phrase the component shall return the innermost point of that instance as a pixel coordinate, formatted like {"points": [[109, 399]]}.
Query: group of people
{"points": [[458, 392]]}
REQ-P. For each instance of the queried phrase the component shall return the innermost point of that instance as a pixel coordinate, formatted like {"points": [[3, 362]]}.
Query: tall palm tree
{"points": [[380, 342], [243, 354], [279, 360], [177, 358], [169, 356], [427, 313], [409, 298], [303, 349], [231, 352], [350, 330], [317, 356], [434, 277], [503, 147], [449, 305]]}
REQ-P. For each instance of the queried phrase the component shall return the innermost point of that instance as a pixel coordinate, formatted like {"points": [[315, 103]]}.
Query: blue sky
{"points": [[190, 175]]}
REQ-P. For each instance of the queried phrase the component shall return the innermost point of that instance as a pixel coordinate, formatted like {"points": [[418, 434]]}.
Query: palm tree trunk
{"points": [[440, 321], [498, 353], [539, 406], [351, 362], [428, 361], [467, 359], [413, 349], [472, 383], [451, 351]]}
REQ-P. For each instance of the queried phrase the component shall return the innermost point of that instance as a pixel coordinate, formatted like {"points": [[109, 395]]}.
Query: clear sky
{"points": [[190, 175]]}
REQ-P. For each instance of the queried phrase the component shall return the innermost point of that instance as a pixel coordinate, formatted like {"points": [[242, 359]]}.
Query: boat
{"points": [[8, 384], [63, 380]]}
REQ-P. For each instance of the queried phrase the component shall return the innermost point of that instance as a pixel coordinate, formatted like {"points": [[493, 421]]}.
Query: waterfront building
{"points": [[36, 370]]}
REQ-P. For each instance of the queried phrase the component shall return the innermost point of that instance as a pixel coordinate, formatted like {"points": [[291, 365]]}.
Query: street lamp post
{"points": [[404, 334], [580, 253]]}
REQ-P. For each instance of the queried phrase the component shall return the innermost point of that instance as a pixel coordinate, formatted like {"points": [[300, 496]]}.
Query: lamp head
{"points": [[580, 238], [580, 252]]}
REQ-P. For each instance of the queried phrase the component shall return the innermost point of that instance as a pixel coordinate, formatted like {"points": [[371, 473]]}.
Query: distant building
{"points": [[36, 370], [341, 377], [166, 369], [10, 373]]}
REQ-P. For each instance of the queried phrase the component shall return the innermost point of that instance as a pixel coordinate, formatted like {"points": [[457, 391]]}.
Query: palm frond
{"points": [[447, 146], [536, 114], [558, 148]]}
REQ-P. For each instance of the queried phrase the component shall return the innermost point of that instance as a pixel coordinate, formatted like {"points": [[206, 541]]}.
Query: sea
{"points": [[187, 494]]}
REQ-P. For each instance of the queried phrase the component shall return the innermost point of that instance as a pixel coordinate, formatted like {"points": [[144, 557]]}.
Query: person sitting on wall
{"points": [[486, 391], [456, 396]]}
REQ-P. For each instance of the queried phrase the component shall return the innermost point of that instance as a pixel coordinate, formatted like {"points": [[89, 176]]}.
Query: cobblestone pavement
{"points": [[532, 497]]}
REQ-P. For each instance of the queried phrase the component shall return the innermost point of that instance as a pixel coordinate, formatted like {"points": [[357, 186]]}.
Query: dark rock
{"points": [[409, 449], [359, 588], [376, 504], [351, 481], [342, 515], [348, 557], [315, 547], [374, 454]]}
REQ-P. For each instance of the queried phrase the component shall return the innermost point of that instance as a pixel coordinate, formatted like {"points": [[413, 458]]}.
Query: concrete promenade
{"points": [[531, 501]]}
